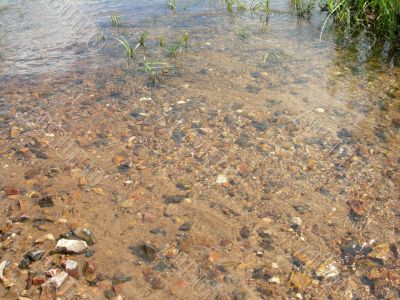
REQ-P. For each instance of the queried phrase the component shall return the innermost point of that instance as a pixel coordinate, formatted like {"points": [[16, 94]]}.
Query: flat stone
{"points": [[57, 281], [86, 235], [147, 252], [71, 246]]}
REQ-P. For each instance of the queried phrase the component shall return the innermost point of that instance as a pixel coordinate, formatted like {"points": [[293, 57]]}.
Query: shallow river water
{"points": [[260, 160]]}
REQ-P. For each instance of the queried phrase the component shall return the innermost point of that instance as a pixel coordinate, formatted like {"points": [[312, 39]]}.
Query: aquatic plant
{"points": [[242, 33], [178, 45], [241, 6], [143, 38], [171, 4], [153, 70], [184, 39], [303, 8], [162, 41], [128, 49], [174, 49], [262, 5], [115, 20], [229, 5], [101, 37], [379, 16]]}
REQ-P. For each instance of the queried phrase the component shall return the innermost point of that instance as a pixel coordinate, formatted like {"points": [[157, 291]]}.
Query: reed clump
{"points": [[379, 16]]}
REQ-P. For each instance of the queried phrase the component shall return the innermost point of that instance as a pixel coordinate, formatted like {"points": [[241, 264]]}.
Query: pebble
{"points": [[185, 226], [24, 263], [295, 222], [86, 235], [35, 255], [156, 283], [71, 268], [221, 179], [109, 294], [117, 279], [46, 237], [46, 201], [71, 246], [3, 265], [380, 252], [89, 269], [299, 281], [245, 232], [57, 281], [174, 199], [274, 279], [146, 251]]}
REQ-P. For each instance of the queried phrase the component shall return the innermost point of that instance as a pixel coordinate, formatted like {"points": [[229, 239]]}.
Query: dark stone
{"points": [[24, 263], [261, 126], [138, 114], [239, 294], [158, 230], [124, 166], [253, 89], [344, 134], [90, 253], [185, 227], [263, 234], [109, 294], [38, 153], [178, 136], [35, 255], [243, 140], [174, 199], [350, 249], [183, 186], [245, 232], [156, 283], [266, 244], [381, 134], [31, 173], [161, 266], [260, 273], [117, 279], [256, 74], [146, 252], [46, 201], [299, 208]]}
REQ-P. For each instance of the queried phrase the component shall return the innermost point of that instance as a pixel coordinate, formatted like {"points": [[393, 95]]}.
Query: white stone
{"points": [[274, 279], [222, 179], [296, 221], [57, 280], [3, 265], [71, 246]]}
